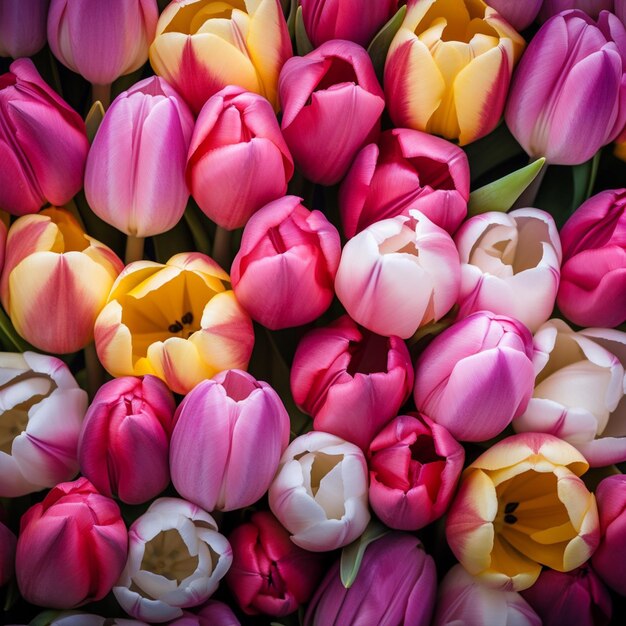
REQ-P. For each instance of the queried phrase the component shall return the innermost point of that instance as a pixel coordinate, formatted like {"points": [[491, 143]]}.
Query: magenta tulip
{"points": [[43, 143], [518, 14], [213, 613], [407, 169], [22, 27], [592, 8], [238, 160], [228, 438], [414, 465], [332, 103], [71, 548], [620, 10], [7, 554], [349, 380], [291, 255], [124, 444]]}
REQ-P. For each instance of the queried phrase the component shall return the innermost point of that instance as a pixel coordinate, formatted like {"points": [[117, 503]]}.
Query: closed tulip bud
{"points": [[297, 252], [7, 554], [609, 560], [519, 14], [319, 493], [40, 421], [135, 176], [465, 52], [414, 465], [176, 559], [592, 291], [351, 381], [551, 105], [463, 600], [510, 265], [579, 386], [407, 169], [228, 438], [521, 505], [396, 585], [102, 41], [592, 8], [213, 613], [52, 265], [332, 103], [22, 27], [355, 20], [124, 443], [71, 548], [476, 376], [201, 48], [238, 159], [43, 143], [270, 574], [180, 322], [398, 275], [620, 10]]}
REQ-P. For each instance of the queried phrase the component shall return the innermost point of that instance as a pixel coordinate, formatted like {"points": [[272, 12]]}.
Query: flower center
{"points": [[168, 556]]}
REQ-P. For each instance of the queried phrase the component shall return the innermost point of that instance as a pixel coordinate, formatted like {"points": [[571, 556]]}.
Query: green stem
{"points": [[222, 248], [101, 93], [134, 249], [95, 371], [198, 232]]}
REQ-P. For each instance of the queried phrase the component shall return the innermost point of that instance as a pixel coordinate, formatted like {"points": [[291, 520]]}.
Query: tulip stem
{"points": [[134, 249], [101, 93], [221, 248], [94, 369]]}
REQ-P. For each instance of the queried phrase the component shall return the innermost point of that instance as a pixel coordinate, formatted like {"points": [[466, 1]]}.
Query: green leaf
{"points": [[584, 177], [352, 554], [303, 45], [199, 233], [501, 194], [94, 119], [379, 46], [9, 336], [291, 18], [45, 618]]}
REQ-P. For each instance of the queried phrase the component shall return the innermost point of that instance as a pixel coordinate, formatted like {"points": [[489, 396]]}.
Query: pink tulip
{"points": [[124, 444], [213, 613], [476, 376], [620, 10], [518, 14], [398, 275], [414, 465], [396, 585], [7, 554], [354, 20], [349, 380], [554, 101], [290, 255], [270, 574], [22, 27], [71, 548], [102, 40], [332, 103], [228, 437], [43, 143], [238, 160], [135, 176], [407, 169], [592, 8], [593, 276]]}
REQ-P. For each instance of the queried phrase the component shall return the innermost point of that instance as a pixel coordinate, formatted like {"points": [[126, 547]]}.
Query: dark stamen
{"points": [[510, 519], [510, 507], [176, 327], [187, 318]]}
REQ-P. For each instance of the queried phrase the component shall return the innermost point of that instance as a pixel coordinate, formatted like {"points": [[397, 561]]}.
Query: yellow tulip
{"points": [[179, 321]]}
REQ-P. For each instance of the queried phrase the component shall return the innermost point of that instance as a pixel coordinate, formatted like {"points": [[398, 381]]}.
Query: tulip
{"points": [[332, 103], [319, 493], [462, 599], [476, 376], [74, 618], [396, 585], [355, 20], [465, 52], [554, 97], [71, 547], [178, 321], [22, 27], [414, 465], [579, 386], [576, 597], [521, 505], [519, 14], [510, 265], [296, 251], [102, 41], [592, 8], [7, 554], [620, 10], [398, 275], [213, 613], [406, 170], [43, 143], [124, 443], [228, 438], [42, 413], [238, 160], [135, 176], [51, 265], [202, 47], [593, 276], [176, 558], [270, 574], [609, 560], [351, 381]]}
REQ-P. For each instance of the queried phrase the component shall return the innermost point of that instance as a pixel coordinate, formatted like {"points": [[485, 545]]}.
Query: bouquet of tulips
{"points": [[313, 312]]}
